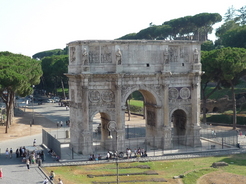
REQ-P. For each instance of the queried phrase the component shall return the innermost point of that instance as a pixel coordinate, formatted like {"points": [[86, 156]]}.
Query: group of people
{"points": [[9, 153], [129, 153], [33, 157], [52, 177], [95, 157], [138, 152], [61, 123], [54, 155]]}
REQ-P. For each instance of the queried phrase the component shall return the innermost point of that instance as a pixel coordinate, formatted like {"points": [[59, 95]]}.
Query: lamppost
{"points": [[112, 127], [32, 105]]}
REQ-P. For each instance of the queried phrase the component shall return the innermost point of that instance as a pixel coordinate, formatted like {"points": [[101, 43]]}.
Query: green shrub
{"points": [[226, 119]]}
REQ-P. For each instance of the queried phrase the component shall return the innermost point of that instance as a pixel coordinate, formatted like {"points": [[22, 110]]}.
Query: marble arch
{"points": [[103, 73]]}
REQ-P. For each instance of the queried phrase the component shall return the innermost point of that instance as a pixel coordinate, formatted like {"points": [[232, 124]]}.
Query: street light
{"points": [[32, 105], [112, 127]]}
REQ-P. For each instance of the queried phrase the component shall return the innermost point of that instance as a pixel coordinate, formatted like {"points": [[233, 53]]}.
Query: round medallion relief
{"points": [[108, 96], [185, 93], [94, 96], [173, 93]]}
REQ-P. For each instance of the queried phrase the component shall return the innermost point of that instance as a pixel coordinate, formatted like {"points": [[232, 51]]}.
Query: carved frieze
{"points": [[106, 55], [184, 53], [173, 53], [98, 95], [94, 55], [179, 93], [72, 54]]}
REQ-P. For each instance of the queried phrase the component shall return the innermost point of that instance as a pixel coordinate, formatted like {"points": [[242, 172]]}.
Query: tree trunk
{"points": [[204, 110], [64, 95], [204, 100], [234, 107], [128, 110], [9, 109], [144, 109]]}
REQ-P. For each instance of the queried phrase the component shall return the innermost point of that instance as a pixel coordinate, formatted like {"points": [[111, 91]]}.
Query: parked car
{"points": [[56, 99], [50, 101]]}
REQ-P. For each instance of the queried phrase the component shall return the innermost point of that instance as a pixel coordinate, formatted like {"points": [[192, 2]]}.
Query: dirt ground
{"points": [[21, 127], [220, 177]]}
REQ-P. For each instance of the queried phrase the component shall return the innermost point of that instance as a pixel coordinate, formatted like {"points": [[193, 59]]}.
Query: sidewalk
{"points": [[14, 170]]}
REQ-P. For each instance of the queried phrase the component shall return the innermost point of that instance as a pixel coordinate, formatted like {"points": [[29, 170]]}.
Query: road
{"points": [[51, 111]]}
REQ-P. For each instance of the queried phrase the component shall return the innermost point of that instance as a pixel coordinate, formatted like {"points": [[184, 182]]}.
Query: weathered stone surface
{"points": [[102, 74]]}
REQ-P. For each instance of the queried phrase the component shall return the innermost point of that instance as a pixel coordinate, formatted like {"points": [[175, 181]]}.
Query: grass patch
{"points": [[138, 103], [191, 168]]}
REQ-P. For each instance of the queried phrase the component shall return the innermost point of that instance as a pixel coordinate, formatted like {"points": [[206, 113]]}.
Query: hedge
{"points": [[226, 119]]}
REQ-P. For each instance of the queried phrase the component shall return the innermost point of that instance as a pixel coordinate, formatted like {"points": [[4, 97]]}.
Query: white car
{"points": [[50, 101], [56, 99]]}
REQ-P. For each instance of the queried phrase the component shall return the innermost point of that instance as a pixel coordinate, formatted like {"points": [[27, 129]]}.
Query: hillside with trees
{"points": [[195, 27]]}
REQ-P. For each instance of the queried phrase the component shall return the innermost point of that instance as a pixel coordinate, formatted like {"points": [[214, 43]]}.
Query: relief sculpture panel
{"points": [[151, 118], [94, 55], [106, 55], [72, 54]]}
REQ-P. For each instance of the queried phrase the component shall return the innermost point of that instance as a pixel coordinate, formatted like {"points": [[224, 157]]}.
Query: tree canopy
{"points": [[224, 66], [190, 27], [54, 68], [18, 73], [47, 53]]}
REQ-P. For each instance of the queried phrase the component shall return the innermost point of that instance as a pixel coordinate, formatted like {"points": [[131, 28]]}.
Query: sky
{"points": [[31, 26]]}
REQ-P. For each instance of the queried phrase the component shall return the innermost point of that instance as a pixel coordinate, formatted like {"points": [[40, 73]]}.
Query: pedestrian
{"points": [[46, 181], [34, 142], [7, 153], [61, 123], [60, 181], [17, 152], [52, 175], [27, 164], [10, 153], [57, 124], [1, 173]]}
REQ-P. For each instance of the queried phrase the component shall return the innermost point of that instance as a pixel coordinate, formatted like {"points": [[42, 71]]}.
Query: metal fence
{"points": [[211, 138]]}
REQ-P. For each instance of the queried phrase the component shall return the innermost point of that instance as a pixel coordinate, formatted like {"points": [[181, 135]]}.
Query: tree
{"points": [[189, 27], [234, 37], [241, 17], [232, 32], [234, 65], [226, 66], [54, 68], [18, 73], [41, 55], [207, 45], [230, 14], [212, 73]]}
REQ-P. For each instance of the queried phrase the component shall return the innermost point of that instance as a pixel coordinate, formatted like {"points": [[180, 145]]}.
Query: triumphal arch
{"points": [[103, 73]]}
